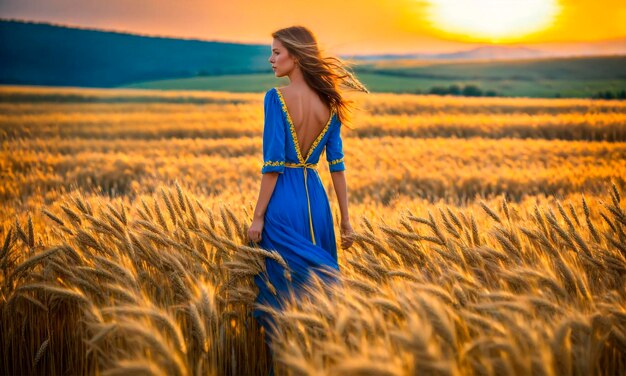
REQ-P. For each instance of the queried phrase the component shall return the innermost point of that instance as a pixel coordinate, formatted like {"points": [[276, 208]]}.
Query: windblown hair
{"points": [[324, 74]]}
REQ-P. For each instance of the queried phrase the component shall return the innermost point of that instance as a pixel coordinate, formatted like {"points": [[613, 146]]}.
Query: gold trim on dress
{"points": [[294, 136], [319, 138], [336, 161], [271, 163], [304, 167]]}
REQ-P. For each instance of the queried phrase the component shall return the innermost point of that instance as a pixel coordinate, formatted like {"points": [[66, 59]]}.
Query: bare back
{"points": [[308, 113]]}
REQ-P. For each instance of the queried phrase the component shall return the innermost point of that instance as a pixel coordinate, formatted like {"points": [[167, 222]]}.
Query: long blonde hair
{"points": [[323, 74]]}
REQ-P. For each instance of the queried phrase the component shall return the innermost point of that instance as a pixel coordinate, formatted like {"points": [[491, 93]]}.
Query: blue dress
{"points": [[298, 220]]}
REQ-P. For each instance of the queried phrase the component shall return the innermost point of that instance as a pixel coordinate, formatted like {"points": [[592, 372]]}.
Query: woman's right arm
{"points": [[334, 156], [341, 190]]}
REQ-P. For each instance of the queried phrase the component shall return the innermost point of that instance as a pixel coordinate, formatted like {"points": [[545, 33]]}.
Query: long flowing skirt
{"points": [[287, 230]]}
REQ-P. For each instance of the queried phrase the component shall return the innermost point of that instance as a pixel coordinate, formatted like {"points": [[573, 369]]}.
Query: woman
{"points": [[293, 215]]}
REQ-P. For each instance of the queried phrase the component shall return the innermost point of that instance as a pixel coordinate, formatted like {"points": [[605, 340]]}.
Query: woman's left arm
{"points": [[268, 183], [274, 160]]}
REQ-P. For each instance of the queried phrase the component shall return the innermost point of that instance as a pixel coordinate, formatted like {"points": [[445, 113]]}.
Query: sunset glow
{"points": [[492, 20], [349, 26]]}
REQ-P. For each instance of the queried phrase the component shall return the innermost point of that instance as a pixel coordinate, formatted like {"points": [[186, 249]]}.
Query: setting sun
{"points": [[492, 20]]}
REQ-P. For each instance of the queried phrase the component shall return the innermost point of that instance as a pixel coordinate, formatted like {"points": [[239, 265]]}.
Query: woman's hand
{"points": [[255, 230], [347, 234]]}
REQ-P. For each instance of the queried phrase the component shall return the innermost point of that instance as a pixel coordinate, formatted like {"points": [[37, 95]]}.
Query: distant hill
{"points": [[565, 68], [581, 77], [495, 52], [45, 54], [478, 53], [490, 52]]}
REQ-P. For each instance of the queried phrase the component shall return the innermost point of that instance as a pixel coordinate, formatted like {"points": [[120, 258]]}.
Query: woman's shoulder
{"points": [[271, 95]]}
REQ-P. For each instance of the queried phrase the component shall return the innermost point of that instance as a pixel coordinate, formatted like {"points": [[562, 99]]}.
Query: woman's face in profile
{"points": [[282, 63]]}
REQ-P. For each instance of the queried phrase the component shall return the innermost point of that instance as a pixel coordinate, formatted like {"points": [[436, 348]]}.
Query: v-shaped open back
{"points": [[292, 127]]}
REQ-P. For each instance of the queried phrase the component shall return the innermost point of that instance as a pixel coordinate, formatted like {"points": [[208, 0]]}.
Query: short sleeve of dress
{"points": [[334, 150], [273, 135]]}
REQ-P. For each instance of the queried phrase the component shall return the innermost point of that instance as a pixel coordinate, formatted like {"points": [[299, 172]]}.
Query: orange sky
{"points": [[348, 26]]}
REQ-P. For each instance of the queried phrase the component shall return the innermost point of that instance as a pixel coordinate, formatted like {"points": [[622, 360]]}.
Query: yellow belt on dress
{"points": [[304, 166]]}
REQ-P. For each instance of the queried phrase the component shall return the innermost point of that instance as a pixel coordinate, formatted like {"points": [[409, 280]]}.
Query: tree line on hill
{"points": [[467, 91], [608, 94], [475, 91]]}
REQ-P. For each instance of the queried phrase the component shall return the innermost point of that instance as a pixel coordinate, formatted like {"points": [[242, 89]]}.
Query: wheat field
{"points": [[490, 238]]}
